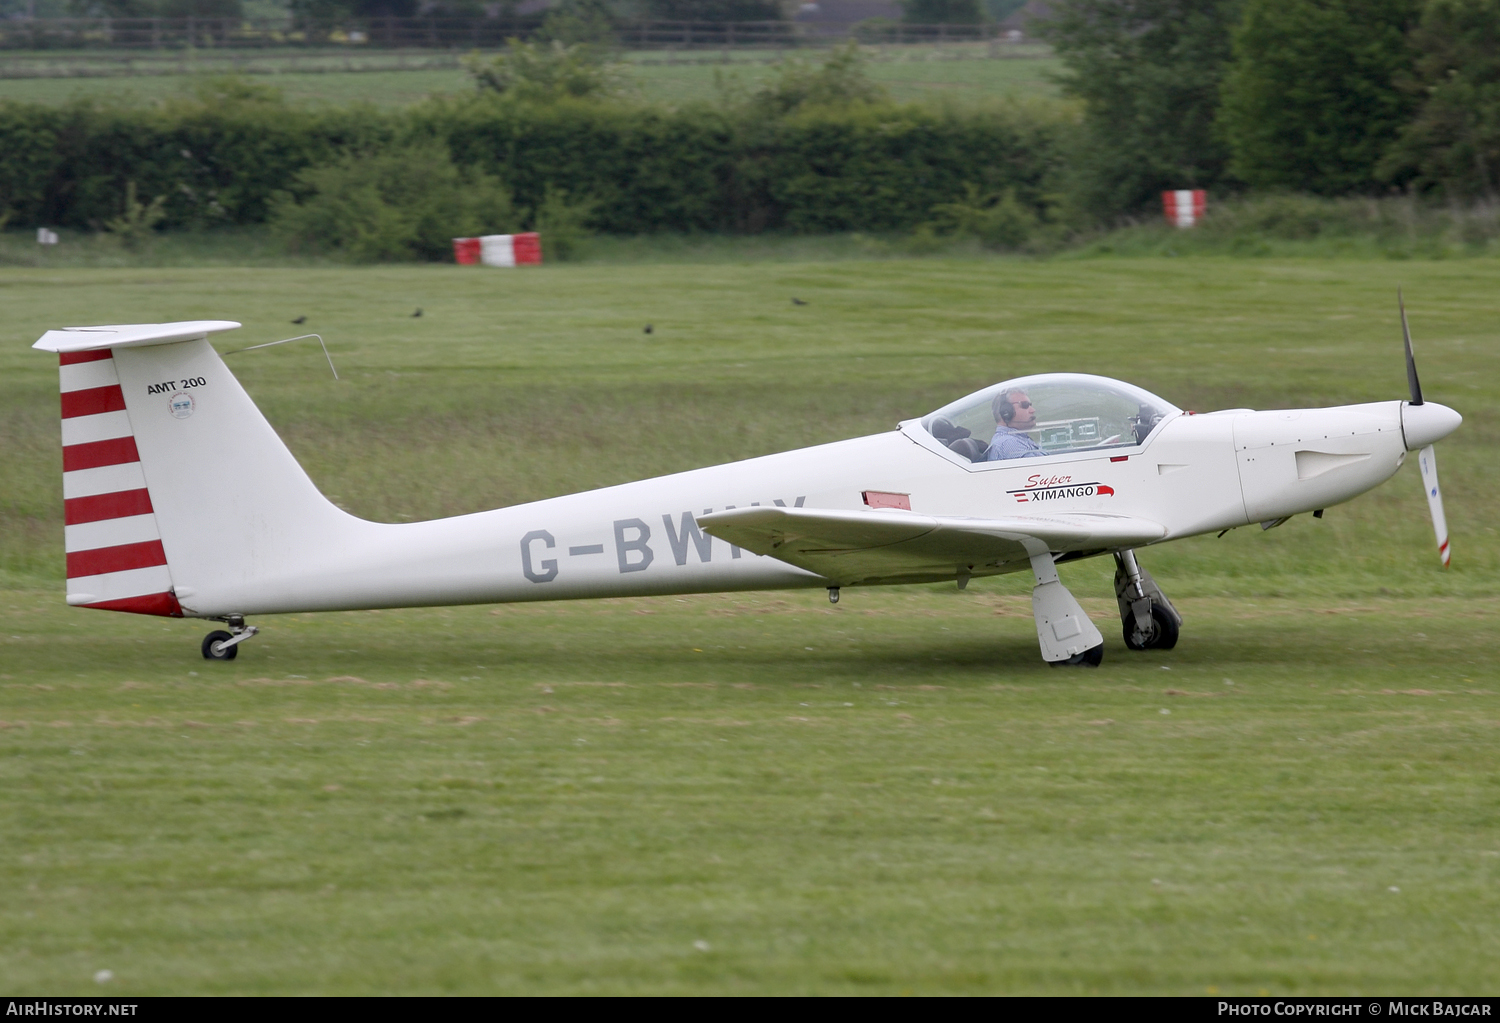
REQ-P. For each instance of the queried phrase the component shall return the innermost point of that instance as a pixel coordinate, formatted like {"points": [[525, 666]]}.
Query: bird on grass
{"points": [[417, 313], [649, 328], [798, 301], [300, 320]]}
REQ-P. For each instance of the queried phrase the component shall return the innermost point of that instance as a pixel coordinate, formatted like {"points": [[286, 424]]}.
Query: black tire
{"points": [[1163, 631], [1090, 658], [1167, 623], [224, 654]]}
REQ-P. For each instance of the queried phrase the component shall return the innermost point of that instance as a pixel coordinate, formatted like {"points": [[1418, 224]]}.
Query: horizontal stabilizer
{"points": [[129, 335], [852, 547]]}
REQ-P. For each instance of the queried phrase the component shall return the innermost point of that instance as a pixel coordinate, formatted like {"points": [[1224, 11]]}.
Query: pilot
{"points": [[1014, 414]]}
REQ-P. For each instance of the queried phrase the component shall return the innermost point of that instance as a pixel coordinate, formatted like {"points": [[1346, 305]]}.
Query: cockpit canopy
{"points": [[1068, 412]]}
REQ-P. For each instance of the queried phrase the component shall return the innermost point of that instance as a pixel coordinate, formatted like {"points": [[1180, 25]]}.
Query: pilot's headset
{"points": [[1003, 409]]}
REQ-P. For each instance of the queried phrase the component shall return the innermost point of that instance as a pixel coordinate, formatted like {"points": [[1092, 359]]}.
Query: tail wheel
{"points": [[214, 650], [1163, 634]]}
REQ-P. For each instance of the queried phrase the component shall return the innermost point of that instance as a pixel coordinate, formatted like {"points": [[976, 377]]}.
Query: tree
{"points": [[155, 8], [1311, 101], [999, 10], [544, 72], [452, 9], [941, 12], [1148, 73], [400, 204], [138, 220], [715, 10], [317, 17], [383, 8], [579, 21], [200, 8], [839, 80], [111, 8], [1453, 142]]}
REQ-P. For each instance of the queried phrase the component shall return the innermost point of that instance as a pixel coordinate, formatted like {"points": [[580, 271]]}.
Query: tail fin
{"points": [[178, 494]]}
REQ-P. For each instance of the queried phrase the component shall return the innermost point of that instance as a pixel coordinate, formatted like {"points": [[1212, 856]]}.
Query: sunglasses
{"points": [[1023, 404]]}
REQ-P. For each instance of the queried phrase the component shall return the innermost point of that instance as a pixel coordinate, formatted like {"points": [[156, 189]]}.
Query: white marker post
{"points": [[510, 249], [1184, 207], [507, 250]]}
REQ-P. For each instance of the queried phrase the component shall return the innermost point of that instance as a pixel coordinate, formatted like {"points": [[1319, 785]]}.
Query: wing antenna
{"points": [[304, 337]]}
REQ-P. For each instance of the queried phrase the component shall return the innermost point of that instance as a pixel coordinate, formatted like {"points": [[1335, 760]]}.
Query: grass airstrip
{"points": [[761, 793]]}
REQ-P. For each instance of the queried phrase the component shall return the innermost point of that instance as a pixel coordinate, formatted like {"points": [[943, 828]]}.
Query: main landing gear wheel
{"points": [[1137, 593], [214, 648], [1162, 635], [1090, 658]]}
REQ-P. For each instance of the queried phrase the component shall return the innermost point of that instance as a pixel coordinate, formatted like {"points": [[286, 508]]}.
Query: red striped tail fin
{"points": [[180, 498], [114, 551]]}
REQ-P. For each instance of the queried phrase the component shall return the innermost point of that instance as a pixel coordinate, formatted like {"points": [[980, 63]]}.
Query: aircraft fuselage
{"points": [[1195, 474]]}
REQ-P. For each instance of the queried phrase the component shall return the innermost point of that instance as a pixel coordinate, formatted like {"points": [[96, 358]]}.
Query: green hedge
{"points": [[650, 169], [69, 166]]}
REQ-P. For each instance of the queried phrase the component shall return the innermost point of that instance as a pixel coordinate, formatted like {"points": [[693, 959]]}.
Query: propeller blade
{"points": [[1427, 460], [1411, 362]]}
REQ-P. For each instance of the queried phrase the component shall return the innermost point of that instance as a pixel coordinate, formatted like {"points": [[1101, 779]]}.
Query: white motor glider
{"points": [[181, 500]]}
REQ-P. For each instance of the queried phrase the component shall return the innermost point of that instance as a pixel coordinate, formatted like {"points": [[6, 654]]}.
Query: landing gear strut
{"points": [[225, 646], [1063, 631], [1149, 619]]}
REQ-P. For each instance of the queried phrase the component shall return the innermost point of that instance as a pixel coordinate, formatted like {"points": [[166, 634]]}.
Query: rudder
{"points": [[115, 558]]}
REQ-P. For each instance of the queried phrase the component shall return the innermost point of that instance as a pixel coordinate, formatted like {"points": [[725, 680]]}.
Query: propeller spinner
{"points": [[1425, 423]]}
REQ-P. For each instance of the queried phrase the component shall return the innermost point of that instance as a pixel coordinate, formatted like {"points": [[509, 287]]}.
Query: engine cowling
{"points": [[1297, 460]]}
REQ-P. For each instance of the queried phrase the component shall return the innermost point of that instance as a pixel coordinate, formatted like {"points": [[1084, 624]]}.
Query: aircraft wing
{"points": [[852, 547]]}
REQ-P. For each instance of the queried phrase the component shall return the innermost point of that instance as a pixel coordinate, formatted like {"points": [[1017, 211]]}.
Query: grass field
{"points": [[910, 73], [762, 793]]}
